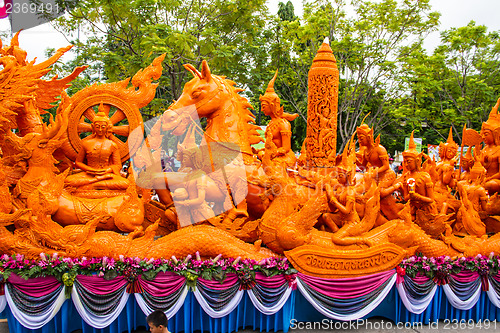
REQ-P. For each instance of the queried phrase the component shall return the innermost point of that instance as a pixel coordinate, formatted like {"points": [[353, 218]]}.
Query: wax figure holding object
{"points": [[157, 322], [417, 186], [373, 155], [446, 166], [278, 132], [190, 204]]}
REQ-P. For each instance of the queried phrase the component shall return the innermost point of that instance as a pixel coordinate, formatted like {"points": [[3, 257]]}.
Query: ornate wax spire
{"points": [[321, 140]]}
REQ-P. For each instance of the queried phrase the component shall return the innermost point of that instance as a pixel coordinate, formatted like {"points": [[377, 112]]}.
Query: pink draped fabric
{"points": [[465, 276], [99, 286], [270, 282], [231, 280], [347, 288], [35, 287], [496, 277], [421, 279], [164, 284]]}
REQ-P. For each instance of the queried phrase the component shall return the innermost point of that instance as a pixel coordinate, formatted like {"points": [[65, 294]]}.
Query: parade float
{"points": [[237, 236]]}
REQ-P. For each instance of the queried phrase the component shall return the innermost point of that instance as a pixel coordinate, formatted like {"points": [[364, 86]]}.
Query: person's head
{"points": [[467, 160], [191, 158], [490, 130], [477, 173], [344, 175], [488, 136], [157, 322], [451, 151], [411, 163]]}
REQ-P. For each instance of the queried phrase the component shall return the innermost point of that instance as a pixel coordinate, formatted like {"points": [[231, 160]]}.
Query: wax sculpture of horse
{"points": [[226, 140]]}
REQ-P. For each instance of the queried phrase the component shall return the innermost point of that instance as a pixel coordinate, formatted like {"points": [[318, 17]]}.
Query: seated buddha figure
{"points": [[99, 160], [278, 132], [490, 154]]}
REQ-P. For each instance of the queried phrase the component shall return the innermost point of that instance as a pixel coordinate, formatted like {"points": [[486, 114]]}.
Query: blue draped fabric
{"points": [[393, 308], [190, 318], [64, 321], [431, 314], [306, 312], [245, 315]]}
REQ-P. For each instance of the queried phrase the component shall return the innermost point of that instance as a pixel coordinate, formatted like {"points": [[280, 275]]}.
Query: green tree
{"points": [[120, 37], [286, 11], [368, 44], [456, 85]]}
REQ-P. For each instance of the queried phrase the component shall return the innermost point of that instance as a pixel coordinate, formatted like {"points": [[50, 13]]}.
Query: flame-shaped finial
{"points": [[450, 136], [493, 121], [412, 148]]}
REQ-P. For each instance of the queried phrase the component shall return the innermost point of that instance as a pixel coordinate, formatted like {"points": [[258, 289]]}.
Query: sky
{"points": [[455, 13]]}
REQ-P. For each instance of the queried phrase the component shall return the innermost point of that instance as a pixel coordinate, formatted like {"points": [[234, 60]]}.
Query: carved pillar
{"points": [[321, 140]]}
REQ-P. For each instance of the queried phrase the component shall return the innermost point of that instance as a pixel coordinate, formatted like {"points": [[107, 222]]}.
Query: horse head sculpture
{"points": [[200, 97], [228, 114]]}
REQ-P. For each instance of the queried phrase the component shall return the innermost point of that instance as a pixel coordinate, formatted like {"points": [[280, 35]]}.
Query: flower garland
{"points": [[440, 268], [66, 269]]}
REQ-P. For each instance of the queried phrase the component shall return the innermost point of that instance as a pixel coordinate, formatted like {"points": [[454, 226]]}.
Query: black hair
{"points": [[157, 318]]}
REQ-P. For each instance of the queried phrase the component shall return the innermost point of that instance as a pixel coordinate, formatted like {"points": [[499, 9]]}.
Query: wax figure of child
{"points": [[157, 322]]}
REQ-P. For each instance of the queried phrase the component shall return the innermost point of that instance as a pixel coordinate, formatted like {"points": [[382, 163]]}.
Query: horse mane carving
{"points": [[229, 116], [246, 125]]}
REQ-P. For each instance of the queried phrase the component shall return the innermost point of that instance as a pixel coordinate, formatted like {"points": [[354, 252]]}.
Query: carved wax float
{"points": [[328, 224], [296, 202], [79, 197], [227, 155]]}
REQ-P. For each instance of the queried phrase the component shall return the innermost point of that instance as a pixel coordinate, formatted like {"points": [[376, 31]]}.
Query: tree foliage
{"points": [[120, 37], [456, 85], [384, 69], [369, 39]]}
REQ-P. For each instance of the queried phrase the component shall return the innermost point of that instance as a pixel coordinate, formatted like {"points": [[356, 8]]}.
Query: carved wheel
{"points": [[124, 117]]}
